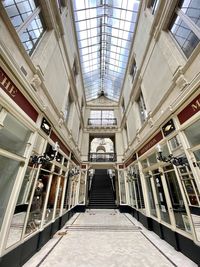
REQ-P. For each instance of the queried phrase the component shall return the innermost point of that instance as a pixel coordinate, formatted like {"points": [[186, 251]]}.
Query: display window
{"points": [[122, 187], [178, 206], [150, 195], [82, 188], [14, 136], [189, 185], [15, 140], [9, 169]]}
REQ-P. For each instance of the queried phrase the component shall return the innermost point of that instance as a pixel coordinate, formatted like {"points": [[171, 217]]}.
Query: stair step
{"points": [[101, 193]]}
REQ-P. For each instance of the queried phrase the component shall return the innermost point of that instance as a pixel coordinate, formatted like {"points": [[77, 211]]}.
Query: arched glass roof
{"points": [[104, 31]]}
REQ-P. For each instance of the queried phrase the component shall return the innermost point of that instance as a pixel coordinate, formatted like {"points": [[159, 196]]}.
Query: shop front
{"points": [[40, 184]]}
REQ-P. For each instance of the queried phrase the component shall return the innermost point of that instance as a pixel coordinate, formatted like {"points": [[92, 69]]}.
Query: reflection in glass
{"points": [[59, 198], [82, 189], [162, 204], [181, 218], [150, 195], [18, 220], [8, 172], [51, 199], [189, 185], [37, 204], [192, 134], [122, 187], [152, 159], [14, 136]]}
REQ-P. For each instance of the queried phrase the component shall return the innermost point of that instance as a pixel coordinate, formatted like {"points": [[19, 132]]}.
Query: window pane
{"points": [[193, 133], [32, 34], [177, 200], [19, 10], [185, 37], [8, 173], [192, 10], [14, 136]]}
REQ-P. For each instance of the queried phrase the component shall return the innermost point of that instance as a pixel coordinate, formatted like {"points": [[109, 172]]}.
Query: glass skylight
{"points": [[104, 32]]}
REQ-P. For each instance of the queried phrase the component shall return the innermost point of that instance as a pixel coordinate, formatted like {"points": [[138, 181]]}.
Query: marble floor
{"points": [[107, 238]]}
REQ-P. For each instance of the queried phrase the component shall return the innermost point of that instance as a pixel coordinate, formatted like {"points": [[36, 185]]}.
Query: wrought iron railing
{"points": [[102, 157], [102, 121]]}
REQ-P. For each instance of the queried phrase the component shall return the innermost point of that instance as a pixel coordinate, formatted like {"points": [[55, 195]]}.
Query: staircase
{"points": [[101, 193]]}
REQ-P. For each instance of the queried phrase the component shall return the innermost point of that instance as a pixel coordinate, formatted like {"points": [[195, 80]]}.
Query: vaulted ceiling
{"points": [[104, 31]]}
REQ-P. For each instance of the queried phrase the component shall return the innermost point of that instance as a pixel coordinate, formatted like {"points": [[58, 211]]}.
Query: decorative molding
{"points": [[36, 82], [102, 101], [150, 119], [181, 82], [61, 119]]}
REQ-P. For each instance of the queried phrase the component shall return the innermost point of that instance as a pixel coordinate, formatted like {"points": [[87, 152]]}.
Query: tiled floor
{"points": [[106, 238]]}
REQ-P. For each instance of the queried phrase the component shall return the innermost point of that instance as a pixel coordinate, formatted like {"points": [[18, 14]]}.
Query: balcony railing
{"points": [[102, 122], [102, 157]]}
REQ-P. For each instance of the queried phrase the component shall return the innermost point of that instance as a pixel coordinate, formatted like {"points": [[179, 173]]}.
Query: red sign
{"points": [[132, 159], [55, 138], [190, 110], [151, 143], [75, 160], [13, 92]]}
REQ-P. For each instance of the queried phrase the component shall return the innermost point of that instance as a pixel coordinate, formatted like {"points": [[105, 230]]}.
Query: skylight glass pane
{"points": [[104, 32]]}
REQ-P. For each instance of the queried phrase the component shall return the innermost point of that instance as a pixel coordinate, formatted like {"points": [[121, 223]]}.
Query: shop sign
{"points": [[121, 166], [168, 128], [151, 143], [14, 93], [55, 138], [190, 110], [46, 126]]}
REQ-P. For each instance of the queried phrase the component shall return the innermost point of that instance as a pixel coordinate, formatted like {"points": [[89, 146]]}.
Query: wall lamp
{"points": [[74, 171], [177, 161], [46, 157], [133, 173]]}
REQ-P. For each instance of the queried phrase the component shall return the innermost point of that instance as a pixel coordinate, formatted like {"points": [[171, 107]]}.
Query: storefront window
{"points": [[197, 156], [189, 184], [60, 194], [19, 216], [122, 187], [82, 189], [174, 143], [181, 218], [8, 172], [67, 193], [13, 136], [193, 134], [162, 204], [144, 163], [38, 199], [152, 159], [131, 187], [150, 195]]}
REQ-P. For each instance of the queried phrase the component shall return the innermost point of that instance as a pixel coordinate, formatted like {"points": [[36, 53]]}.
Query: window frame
{"points": [[142, 107], [23, 27], [177, 12]]}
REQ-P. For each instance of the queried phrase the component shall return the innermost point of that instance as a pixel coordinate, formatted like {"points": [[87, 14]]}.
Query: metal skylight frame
{"points": [[104, 31]]}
